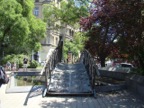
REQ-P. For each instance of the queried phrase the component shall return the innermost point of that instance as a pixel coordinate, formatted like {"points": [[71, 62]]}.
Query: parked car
{"points": [[122, 67], [127, 67]]}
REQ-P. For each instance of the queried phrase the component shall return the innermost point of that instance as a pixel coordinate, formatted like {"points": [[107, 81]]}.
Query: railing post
{"points": [[91, 68], [94, 78], [46, 82], [55, 57], [46, 75]]}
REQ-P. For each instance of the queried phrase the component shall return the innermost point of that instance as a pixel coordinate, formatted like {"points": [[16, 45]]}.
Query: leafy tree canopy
{"points": [[20, 30], [67, 13], [109, 22], [75, 46]]}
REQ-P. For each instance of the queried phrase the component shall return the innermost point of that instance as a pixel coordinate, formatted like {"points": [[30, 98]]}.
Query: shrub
{"points": [[14, 58], [33, 64]]}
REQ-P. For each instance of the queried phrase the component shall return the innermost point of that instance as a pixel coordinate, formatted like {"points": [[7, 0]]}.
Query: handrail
{"points": [[48, 57], [54, 58], [90, 66]]}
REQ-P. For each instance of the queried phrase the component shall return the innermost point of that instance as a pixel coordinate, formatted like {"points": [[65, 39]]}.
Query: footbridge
{"points": [[63, 79]]}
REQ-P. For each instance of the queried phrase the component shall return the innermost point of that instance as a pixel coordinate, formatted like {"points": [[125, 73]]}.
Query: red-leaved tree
{"points": [[111, 21]]}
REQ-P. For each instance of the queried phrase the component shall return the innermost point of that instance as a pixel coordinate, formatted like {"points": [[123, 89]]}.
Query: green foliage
{"points": [[140, 71], [51, 13], [67, 13], [75, 46], [20, 30], [33, 64], [18, 59]]}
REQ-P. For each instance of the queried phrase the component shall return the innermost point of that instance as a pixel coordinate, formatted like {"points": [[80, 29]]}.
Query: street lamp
{"points": [[69, 59], [61, 38]]}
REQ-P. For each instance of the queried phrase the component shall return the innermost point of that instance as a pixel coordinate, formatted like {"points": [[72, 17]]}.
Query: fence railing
{"points": [[54, 58], [91, 67]]}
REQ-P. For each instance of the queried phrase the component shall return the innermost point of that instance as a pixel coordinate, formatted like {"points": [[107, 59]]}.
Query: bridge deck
{"points": [[69, 79]]}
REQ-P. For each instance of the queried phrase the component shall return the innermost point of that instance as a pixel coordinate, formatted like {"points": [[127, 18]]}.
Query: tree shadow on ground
{"points": [[120, 99], [36, 90]]}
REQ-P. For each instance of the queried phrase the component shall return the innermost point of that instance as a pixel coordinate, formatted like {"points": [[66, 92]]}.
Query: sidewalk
{"points": [[104, 100], [34, 99]]}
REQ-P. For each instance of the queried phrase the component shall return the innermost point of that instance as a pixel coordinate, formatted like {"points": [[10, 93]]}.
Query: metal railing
{"points": [[91, 68], [54, 58]]}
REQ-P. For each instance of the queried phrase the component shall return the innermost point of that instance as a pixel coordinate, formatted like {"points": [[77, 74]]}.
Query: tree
{"points": [[133, 25], [75, 46], [68, 13], [132, 39], [20, 30], [109, 22], [101, 28]]}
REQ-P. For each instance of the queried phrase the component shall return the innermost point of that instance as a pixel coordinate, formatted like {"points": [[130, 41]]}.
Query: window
{"points": [[47, 0], [48, 39], [36, 11], [69, 31], [56, 41], [72, 32], [58, 1], [36, 0]]}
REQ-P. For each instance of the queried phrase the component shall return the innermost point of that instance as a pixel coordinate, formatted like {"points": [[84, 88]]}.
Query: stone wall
{"points": [[114, 74], [135, 83]]}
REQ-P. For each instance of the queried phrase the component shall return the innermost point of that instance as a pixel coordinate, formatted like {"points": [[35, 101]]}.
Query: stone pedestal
{"points": [[69, 59]]}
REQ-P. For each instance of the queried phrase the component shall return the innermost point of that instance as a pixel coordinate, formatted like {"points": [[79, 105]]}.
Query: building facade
{"points": [[52, 36]]}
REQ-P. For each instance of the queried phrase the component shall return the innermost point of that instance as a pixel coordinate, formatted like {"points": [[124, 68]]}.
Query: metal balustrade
{"points": [[85, 58], [91, 67], [54, 59]]}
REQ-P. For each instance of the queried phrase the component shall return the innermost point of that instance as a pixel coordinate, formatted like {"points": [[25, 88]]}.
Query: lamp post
{"points": [[69, 56], [61, 38]]}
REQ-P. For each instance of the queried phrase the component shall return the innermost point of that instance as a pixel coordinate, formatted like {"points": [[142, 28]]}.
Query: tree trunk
{"points": [[102, 60]]}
